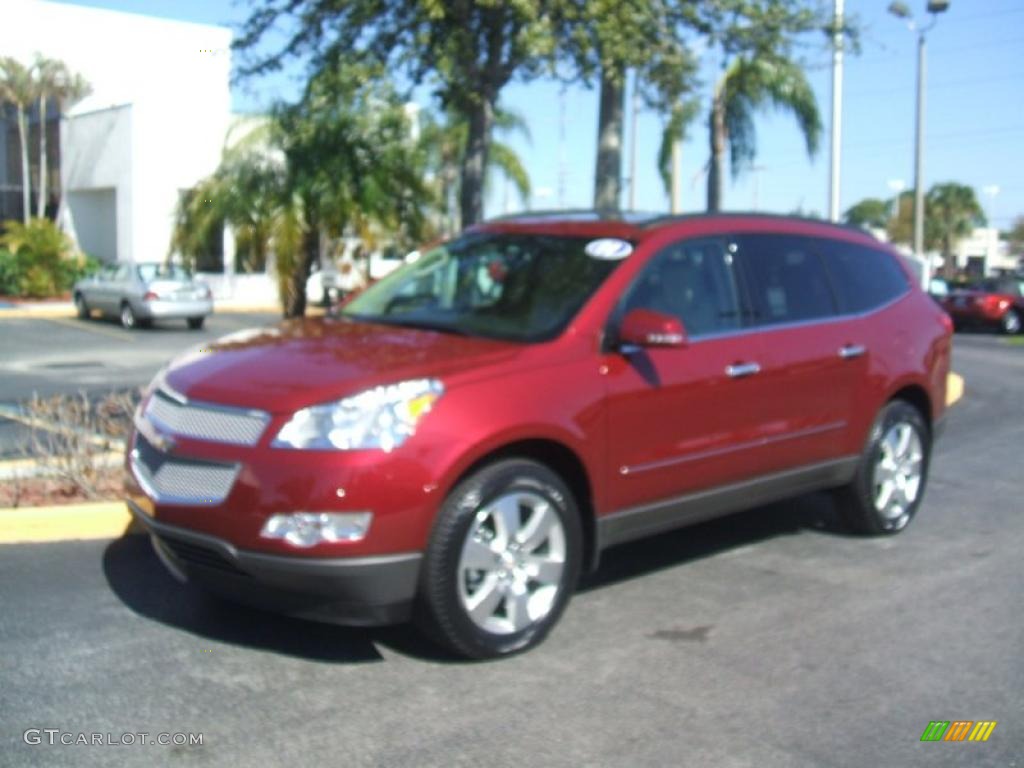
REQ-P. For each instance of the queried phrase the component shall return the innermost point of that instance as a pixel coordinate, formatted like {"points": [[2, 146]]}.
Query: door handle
{"points": [[739, 370], [850, 351]]}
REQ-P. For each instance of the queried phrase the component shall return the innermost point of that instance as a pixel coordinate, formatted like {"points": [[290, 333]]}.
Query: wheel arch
{"points": [[917, 396], [567, 464]]}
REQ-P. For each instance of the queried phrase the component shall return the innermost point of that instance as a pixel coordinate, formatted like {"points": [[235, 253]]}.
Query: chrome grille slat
{"points": [[175, 481], [206, 421]]}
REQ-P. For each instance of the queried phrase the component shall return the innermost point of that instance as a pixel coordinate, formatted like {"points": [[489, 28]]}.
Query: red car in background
{"points": [[997, 302]]}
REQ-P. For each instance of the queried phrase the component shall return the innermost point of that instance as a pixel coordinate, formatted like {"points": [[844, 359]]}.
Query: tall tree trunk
{"points": [[716, 132], [608, 168], [296, 306], [26, 182], [474, 162], [41, 201], [948, 259]]}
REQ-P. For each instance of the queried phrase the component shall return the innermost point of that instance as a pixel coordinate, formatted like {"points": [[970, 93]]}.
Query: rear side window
{"points": [[785, 278], [864, 278]]}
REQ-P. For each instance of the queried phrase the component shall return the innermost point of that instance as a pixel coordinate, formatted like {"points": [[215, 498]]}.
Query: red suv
{"points": [[469, 434]]}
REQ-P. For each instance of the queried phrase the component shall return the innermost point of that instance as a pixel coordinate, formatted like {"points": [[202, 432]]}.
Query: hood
{"points": [[302, 362]]}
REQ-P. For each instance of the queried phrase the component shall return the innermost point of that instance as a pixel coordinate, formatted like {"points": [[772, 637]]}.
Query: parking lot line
{"points": [[93, 327]]}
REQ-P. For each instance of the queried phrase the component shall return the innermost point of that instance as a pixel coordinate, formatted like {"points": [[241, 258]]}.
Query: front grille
{"points": [[206, 421], [181, 481], [197, 554]]}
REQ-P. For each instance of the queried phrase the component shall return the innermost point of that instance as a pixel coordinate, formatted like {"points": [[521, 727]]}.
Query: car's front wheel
{"points": [[1011, 322], [503, 560], [884, 495], [195, 323]]}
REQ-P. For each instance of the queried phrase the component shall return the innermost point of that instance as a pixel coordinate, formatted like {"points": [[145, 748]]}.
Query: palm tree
{"points": [[54, 81], [675, 131], [445, 146], [342, 159], [951, 212], [18, 86], [748, 85]]}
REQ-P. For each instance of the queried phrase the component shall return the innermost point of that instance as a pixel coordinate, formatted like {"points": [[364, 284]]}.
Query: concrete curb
{"points": [[67, 311], [111, 519]]}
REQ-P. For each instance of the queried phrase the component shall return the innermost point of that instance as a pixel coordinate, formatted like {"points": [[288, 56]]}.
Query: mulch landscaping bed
{"points": [[50, 491]]}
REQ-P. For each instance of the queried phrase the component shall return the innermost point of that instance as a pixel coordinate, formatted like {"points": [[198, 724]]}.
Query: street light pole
{"points": [[919, 159], [837, 109], [899, 9]]}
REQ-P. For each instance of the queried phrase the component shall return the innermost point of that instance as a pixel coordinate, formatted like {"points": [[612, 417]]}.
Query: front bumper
{"points": [[362, 591]]}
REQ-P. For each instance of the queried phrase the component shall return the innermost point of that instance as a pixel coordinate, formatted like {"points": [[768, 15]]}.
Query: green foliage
{"points": [[676, 129], [342, 160], [756, 40], [444, 143], [38, 260], [467, 51], [869, 212]]}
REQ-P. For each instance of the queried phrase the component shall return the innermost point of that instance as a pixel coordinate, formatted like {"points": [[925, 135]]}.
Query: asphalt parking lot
{"points": [[52, 356], [769, 638]]}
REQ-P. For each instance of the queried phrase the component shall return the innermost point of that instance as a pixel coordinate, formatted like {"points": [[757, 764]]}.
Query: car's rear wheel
{"points": [[1011, 322], [128, 318], [195, 323], [81, 307], [503, 560], [884, 495]]}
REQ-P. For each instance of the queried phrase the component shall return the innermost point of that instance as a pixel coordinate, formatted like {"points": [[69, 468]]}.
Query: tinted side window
{"points": [[692, 280], [864, 278], [786, 279]]}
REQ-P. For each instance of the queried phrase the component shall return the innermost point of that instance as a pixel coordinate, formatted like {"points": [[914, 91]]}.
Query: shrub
{"points": [[40, 259]]}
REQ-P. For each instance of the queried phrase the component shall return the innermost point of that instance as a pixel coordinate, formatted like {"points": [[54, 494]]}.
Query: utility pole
{"points": [[837, 110], [899, 9]]}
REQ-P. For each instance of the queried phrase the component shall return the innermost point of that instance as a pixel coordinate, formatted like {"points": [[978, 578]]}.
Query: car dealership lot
{"points": [[767, 638]]}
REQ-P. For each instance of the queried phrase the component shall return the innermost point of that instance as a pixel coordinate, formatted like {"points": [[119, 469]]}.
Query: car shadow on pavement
{"points": [[811, 512], [142, 583]]}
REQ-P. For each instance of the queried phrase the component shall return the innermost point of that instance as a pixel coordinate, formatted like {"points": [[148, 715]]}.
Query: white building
{"points": [[154, 124], [983, 253]]}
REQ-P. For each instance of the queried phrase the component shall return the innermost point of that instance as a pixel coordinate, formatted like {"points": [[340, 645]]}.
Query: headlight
{"points": [[383, 417]]}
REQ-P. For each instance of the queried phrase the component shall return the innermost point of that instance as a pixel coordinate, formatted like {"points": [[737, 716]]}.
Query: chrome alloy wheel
{"points": [[897, 476], [510, 570]]}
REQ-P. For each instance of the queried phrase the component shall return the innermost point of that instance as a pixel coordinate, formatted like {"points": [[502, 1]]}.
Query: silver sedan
{"points": [[142, 292]]}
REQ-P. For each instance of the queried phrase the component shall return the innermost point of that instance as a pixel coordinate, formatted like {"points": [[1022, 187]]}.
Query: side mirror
{"points": [[647, 328]]}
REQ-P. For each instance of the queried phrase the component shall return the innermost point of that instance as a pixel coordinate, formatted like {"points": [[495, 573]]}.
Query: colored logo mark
{"points": [[959, 730]]}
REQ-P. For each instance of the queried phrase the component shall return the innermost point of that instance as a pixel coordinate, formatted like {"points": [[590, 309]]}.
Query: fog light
{"points": [[307, 529]]}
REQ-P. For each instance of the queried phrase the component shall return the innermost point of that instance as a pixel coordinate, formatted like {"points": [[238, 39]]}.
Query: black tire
{"points": [[440, 611], [859, 501], [81, 307], [195, 323], [129, 320], [1010, 323]]}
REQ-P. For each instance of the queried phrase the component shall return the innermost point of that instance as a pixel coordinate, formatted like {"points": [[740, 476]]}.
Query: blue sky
{"points": [[974, 132]]}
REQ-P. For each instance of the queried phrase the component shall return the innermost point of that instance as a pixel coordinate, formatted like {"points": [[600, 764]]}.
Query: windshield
{"points": [[515, 287], [150, 272]]}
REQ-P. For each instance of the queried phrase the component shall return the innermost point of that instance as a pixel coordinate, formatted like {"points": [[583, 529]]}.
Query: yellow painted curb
{"points": [[38, 312], [100, 520], [954, 388]]}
